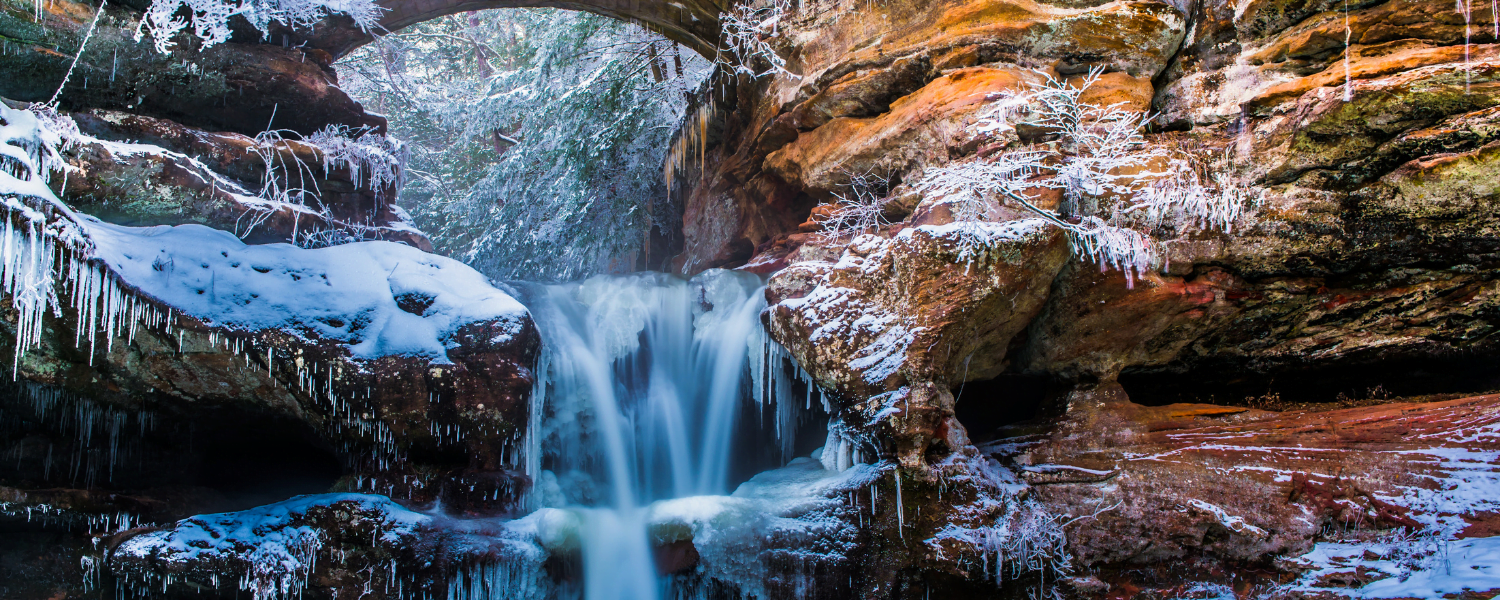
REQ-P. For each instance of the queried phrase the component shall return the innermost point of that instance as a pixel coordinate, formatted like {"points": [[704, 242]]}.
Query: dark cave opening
{"points": [[259, 459], [1334, 386], [987, 406], [215, 459], [758, 442]]}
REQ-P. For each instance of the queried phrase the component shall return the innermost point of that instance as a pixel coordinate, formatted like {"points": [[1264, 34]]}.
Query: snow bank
{"points": [[1419, 567], [271, 548], [352, 294]]}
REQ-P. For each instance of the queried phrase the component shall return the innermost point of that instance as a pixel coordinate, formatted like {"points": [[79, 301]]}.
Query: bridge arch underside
{"points": [[692, 23]]}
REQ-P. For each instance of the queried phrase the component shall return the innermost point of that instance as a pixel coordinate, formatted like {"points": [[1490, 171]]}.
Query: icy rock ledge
{"points": [[271, 551], [387, 352]]}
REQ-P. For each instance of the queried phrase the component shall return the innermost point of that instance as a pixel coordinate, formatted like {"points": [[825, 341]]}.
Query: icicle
{"points": [[1348, 34], [900, 516]]}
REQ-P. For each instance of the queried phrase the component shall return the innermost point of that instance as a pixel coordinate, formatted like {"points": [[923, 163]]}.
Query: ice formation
{"points": [[96, 437]]}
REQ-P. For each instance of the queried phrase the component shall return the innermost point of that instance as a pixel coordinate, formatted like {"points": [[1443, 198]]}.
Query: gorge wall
{"points": [[1014, 422]]}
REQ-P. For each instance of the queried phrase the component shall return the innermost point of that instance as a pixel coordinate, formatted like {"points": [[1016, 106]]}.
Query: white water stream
{"points": [[641, 384]]}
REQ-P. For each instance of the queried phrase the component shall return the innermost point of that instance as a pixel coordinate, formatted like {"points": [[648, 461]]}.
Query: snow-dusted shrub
{"points": [[328, 236], [860, 209], [964, 188], [1115, 193], [373, 159], [210, 18], [744, 31], [1003, 533], [286, 179]]}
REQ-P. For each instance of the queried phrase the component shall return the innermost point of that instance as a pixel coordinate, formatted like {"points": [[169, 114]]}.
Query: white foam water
{"points": [[639, 391]]}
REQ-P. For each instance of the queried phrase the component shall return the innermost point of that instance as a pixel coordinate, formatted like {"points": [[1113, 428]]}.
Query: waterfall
{"points": [[639, 395]]}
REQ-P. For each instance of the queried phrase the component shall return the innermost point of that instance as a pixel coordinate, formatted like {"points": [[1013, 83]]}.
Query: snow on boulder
{"points": [[375, 298], [271, 551]]}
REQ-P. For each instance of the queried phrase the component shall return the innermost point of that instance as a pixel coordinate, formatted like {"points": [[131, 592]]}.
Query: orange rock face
{"points": [[1367, 260]]}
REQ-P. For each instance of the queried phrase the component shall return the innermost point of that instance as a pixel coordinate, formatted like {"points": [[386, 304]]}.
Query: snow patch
{"points": [[346, 293], [273, 548], [1403, 567]]}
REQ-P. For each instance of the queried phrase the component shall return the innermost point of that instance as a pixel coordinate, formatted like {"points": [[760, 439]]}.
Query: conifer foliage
{"points": [[536, 135]]}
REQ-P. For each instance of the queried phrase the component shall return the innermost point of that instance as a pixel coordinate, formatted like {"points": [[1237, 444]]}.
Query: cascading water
{"points": [[639, 397]]}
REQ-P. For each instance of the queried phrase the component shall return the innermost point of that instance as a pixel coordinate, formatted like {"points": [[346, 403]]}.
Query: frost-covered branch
{"points": [[281, 165], [210, 18], [859, 210], [1182, 200], [744, 31], [374, 161]]}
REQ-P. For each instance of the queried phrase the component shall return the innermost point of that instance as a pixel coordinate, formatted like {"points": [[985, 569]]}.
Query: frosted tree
{"points": [[536, 135], [1117, 191]]}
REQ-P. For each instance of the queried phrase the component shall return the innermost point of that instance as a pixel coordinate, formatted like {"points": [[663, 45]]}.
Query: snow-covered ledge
{"points": [[386, 351]]}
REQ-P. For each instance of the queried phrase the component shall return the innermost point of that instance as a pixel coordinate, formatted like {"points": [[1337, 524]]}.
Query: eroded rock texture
{"points": [[1364, 272], [1310, 370]]}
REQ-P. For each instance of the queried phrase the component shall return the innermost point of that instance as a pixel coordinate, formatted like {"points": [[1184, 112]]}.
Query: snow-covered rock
{"points": [[375, 299], [398, 361]]}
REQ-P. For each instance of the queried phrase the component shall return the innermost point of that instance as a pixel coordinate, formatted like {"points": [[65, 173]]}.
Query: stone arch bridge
{"points": [[692, 23]]}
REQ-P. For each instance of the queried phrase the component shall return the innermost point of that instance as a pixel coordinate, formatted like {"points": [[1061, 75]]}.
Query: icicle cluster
{"points": [[691, 140], [373, 159], [1032, 540], [772, 371], [843, 448], [39, 229], [100, 434], [518, 576]]}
